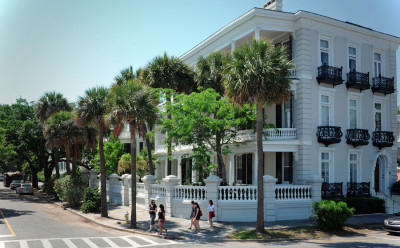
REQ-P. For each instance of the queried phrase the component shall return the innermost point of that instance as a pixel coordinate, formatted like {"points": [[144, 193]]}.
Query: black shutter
{"points": [[278, 116], [279, 167]]}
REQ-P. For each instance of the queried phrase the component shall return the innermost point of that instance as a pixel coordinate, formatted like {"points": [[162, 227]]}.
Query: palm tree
{"points": [[170, 73], [48, 104], [131, 103], [259, 74], [92, 108], [210, 73]]}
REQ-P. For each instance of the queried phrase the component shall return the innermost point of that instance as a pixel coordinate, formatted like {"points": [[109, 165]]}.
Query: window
{"points": [[353, 167], [244, 168], [324, 51], [353, 114], [287, 167], [377, 64], [325, 110], [378, 116], [325, 166], [352, 59]]}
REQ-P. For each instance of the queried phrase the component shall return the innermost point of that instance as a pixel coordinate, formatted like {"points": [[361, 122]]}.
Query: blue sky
{"points": [[70, 46]]}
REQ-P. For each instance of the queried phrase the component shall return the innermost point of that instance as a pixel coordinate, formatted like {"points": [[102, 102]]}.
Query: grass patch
{"points": [[301, 233]]}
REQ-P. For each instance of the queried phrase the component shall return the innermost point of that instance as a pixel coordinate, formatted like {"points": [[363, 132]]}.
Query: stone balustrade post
{"points": [[212, 183], [170, 182], [137, 178], [148, 180], [112, 181], [315, 184], [269, 198], [93, 178], [125, 193]]}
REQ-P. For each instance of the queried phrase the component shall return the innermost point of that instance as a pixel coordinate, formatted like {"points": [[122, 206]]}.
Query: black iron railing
{"points": [[330, 75], [383, 85], [357, 137], [331, 190], [382, 139], [329, 135], [358, 189], [358, 80]]}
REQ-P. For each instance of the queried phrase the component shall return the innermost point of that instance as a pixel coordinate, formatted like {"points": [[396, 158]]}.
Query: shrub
{"points": [[365, 205], [91, 200], [48, 187], [396, 187], [330, 215], [69, 189]]}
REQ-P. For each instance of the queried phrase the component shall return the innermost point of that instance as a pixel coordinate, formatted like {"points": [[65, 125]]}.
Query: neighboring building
{"points": [[340, 123]]}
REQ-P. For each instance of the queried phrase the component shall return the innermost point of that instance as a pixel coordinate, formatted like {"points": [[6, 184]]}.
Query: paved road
{"points": [[27, 222]]}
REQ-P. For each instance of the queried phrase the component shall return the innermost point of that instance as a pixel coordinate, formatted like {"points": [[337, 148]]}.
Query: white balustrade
{"points": [[281, 133], [197, 193], [140, 188], [292, 192], [158, 191], [237, 193]]}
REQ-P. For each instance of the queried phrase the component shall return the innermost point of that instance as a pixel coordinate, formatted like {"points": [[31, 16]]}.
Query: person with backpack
{"points": [[152, 212], [192, 214], [196, 218], [161, 219]]}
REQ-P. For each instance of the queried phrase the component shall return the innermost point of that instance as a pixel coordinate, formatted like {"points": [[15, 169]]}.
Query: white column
{"points": [[212, 183], [233, 45], [148, 180], [166, 168], [231, 177], [255, 168], [269, 198], [125, 198], [257, 33], [179, 170], [170, 182]]}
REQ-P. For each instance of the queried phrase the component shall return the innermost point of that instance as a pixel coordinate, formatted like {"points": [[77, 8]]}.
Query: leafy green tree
{"points": [[131, 104], [207, 122], [170, 73], [259, 74], [7, 151], [92, 108], [113, 150]]}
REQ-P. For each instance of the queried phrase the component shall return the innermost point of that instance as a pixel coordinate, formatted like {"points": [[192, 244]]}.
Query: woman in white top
{"points": [[211, 213]]}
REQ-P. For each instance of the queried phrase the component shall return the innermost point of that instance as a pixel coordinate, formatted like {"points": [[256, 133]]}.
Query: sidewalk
{"points": [[178, 227]]}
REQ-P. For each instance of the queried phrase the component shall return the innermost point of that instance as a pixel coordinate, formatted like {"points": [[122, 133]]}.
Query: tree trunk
{"points": [[169, 162], [103, 176], [133, 174], [150, 156], [74, 158], [220, 160], [34, 172], [260, 170], [55, 154], [67, 158]]}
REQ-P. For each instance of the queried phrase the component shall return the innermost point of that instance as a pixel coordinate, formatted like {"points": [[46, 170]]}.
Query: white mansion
{"points": [[341, 121]]}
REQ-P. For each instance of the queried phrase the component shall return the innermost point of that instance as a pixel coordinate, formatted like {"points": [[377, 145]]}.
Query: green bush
{"points": [[365, 205], [330, 215], [48, 187], [396, 187], [40, 176], [91, 200], [69, 189]]}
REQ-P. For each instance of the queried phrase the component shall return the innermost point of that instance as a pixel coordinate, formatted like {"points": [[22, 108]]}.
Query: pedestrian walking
{"points": [[191, 215], [211, 213], [161, 219], [152, 212], [196, 218]]}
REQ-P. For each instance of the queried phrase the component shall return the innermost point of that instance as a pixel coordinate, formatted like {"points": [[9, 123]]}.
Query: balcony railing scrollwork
{"points": [[330, 75], [357, 137], [329, 135], [358, 80], [331, 190], [383, 85], [382, 139]]}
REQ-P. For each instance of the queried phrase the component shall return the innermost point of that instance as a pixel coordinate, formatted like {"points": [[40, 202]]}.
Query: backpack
{"points": [[201, 214]]}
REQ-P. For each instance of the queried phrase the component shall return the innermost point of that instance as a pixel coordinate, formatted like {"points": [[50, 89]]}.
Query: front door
{"points": [[377, 175]]}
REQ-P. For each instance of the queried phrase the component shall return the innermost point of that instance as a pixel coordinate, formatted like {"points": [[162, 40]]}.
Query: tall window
{"points": [[352, 59], [325, 110], [325, 164], [324, 51], [353, 167], [353, 113], [377, 64], [378, 116], [244, 168]]}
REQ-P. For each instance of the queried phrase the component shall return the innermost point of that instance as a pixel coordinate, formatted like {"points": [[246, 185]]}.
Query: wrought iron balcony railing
{"points": [[357, 137], [329, 135], [332, 190], [329, 75], [358, 189], [382, 139], [358, 80], [383, 85]]}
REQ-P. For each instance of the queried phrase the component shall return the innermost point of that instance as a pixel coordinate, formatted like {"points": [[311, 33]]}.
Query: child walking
{"points": [[161, 219]]}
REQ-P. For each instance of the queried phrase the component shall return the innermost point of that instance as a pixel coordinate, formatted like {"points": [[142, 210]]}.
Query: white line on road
{"points": [[2, 245], [46, 243], [110, 243], [23, 244], [70, 243], [147, 240], [6, 236], [130, 241], [90, 243]]}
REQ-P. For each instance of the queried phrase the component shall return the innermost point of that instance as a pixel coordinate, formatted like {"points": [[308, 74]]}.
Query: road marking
{"points": [[89, 242], [147, 240], [70, 243], [2, 244], [23, 244], [9, 227], [6, 236], [46, 243], [130, 241]]}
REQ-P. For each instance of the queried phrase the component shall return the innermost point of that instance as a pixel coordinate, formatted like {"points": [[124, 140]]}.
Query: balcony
{"points": [[357, 137], [383, 85], [358, 80], [329, 75], [382, 139], [270, 133], [329, 135]]}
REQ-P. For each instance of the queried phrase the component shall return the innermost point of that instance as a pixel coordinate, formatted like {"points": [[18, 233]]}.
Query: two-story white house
{"points": [[341, 121]]}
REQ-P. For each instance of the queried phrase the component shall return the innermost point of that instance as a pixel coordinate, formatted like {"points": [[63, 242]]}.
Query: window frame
{"points": [[328, 50], [380, 62], [330, 161], [357, 162], [382, 111], [330, 93], [357, 97], [356, 57]]}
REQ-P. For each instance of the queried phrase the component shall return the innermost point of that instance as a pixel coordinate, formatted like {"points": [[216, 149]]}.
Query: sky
{"points": [[69, 46]]}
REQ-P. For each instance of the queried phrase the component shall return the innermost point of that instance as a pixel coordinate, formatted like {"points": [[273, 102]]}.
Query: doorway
{"points": [[379, 174]]}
